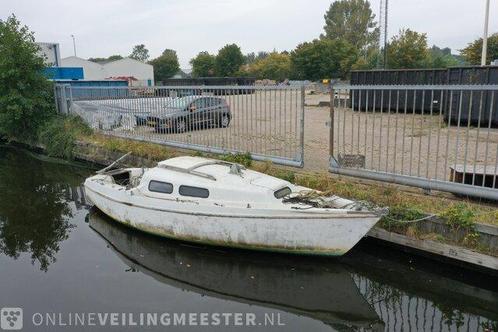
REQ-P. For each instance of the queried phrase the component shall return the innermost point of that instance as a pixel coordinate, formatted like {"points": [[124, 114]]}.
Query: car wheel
{"points": [[224, 121], [180, 126]]}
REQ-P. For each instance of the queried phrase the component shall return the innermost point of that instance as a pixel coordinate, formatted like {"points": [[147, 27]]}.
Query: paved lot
{"points": [[420, 145], [267, 123]]}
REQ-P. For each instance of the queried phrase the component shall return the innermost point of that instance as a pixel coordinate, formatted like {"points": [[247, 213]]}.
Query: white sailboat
{"points": [[219, 203]]}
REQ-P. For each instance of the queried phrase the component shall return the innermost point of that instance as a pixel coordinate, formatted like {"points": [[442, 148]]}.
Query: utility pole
{"points": [[381, 32], [485, 36], [383, 15], [74, 45], [386, 14]]}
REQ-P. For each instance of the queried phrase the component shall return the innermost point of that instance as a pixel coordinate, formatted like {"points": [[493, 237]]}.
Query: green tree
{"points": [[97, 59], [114, 57], [408, 49], [275, 66], [229, 60], [367, 61], [26, 96], [203, 65], [252, 57], [140, 53], [353, 21], [322, 59], [110, 58], [442, 58], [166, 65], [472, 53]]}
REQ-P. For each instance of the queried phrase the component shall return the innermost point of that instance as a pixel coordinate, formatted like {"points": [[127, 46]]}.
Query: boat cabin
{"points": [[201, 178], [195, 177]]}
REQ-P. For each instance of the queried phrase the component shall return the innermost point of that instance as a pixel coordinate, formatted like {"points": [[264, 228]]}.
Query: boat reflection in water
{"points": [[312, 287]]}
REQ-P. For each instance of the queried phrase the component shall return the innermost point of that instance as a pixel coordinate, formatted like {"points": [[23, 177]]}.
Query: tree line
{"points": [[350, 41]]}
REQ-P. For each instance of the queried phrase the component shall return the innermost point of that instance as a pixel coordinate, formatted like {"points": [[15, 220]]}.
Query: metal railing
{"points": [[267, 122], [437, 137], [62, 98]]}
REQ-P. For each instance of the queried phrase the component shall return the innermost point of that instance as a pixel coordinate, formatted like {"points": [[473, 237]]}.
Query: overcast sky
{"points": [[106, 27]]}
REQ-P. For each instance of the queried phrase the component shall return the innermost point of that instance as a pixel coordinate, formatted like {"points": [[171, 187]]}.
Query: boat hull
{"points": [[319, 289], [290, 233]]}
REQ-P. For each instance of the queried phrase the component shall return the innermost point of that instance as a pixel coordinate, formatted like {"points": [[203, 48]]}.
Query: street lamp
{"points": [[74, 44], [485, 37]]}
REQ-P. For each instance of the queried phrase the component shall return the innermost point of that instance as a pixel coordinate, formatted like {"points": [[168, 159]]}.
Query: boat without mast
{"points": [[219, 203]]}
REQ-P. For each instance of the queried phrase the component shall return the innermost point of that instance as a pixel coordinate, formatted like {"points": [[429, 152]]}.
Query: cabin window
{"points": [[160, 187], [281, 193], [194, 191]]}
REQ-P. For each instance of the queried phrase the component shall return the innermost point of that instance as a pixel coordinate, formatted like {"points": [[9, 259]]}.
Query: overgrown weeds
{"points": [[59, 135], [146, 150], [400, 218], [239, 158], [404, 205], [459, 216]]}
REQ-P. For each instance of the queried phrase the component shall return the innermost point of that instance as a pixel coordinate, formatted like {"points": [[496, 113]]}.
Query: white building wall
{"points": [[51, 53], [91, 70], [126, 67], [143, 72]]}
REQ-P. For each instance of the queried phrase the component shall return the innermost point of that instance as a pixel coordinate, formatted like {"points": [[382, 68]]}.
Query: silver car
{"points": [[191, 113]]}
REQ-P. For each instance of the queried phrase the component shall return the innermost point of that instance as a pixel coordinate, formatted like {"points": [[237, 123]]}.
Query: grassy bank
{"points": [[63, 136], [403, 204]]}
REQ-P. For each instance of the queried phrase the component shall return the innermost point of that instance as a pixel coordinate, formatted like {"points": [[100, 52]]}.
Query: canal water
{"points": [[65, 266]]}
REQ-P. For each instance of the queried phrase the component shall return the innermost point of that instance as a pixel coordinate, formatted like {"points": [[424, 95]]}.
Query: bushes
{"points": [[59, 135], [459, 216]]}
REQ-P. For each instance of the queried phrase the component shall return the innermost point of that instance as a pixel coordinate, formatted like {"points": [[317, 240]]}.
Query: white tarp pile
{"points": [[96, 116], [116, 114]]}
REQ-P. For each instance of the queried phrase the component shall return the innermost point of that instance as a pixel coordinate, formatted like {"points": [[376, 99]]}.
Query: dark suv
{"points": [[191, 113]]}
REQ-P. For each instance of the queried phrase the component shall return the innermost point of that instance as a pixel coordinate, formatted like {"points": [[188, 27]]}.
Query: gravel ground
{"points": [[419, 145], [267, 123]]}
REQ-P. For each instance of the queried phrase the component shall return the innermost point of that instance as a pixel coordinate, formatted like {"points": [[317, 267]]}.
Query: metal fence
{"points": [[62, 96], [436, 137], [267, 122]]}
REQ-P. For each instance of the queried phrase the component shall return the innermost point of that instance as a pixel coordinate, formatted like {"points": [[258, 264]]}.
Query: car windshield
{"points": [[179, 103]]}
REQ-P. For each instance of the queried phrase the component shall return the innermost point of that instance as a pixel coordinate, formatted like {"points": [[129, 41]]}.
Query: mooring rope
{"points": [[410, 221]]}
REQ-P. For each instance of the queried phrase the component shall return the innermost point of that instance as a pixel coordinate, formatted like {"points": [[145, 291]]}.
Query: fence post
{"points": [[331, 123], [56, 99], [332, 161], [63, 99], [69, 100], [303, 101]]}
